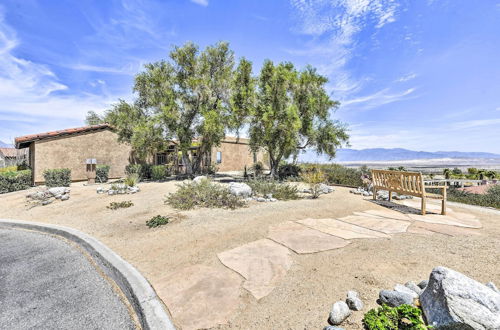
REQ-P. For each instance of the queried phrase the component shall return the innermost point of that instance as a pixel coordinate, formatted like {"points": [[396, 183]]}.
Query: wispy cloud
{"points": [[407, 77], [474, 123], [200, 2], [377, 99]]}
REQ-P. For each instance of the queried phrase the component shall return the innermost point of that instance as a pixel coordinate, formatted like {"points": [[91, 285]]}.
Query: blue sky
{"points": [[422, 75]]}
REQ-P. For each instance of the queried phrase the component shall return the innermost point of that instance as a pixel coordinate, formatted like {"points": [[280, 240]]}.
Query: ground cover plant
{"points": [[14, 180], [203, 194], [102, 173], [132, 180], [338, 174], [394, 318], [314, 179], [490, 199], [157, 221], [159, 172], [279, 190], [60, 177], [119, 205]]}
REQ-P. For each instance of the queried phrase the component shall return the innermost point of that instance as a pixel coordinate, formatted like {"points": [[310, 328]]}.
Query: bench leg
{"points": [[374, 194], [443, 203], [390, 196], [423, 205]]}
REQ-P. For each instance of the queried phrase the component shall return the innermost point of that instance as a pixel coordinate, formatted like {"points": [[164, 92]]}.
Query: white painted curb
{"points": [[148, 307]]}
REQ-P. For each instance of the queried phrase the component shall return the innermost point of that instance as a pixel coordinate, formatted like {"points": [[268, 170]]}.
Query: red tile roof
{"points": [[23, 141], [482, 189], [8, 152]]}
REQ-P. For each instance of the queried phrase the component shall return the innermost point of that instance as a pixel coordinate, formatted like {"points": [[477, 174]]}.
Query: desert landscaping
{"points": [[277, 264]]}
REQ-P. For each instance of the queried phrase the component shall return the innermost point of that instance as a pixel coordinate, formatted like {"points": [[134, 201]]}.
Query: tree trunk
{"points": [[188, 168]]}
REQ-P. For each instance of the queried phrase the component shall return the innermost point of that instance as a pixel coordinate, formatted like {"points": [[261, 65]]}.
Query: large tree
{"points": [[292, 113]]}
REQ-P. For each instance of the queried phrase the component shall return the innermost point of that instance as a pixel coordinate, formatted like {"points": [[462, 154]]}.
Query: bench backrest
{"points": [[409, 183]]}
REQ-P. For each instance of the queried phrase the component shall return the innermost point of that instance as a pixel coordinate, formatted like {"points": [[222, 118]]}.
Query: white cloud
{"points": [[200, 2], [377, 99], [474, 123], [407, 77]]}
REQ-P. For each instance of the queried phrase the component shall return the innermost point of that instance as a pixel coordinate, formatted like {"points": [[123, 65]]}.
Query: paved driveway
{"points": [[46, 283]]}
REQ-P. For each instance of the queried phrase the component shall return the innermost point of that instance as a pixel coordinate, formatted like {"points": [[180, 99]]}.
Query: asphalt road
{"points": [[47, 283]]}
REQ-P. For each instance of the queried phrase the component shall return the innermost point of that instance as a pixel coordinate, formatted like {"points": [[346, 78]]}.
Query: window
{"points": [[161, 159], [219, 157]]}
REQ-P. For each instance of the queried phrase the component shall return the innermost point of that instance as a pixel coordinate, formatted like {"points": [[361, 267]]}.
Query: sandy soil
{"points": [[313, 283]]}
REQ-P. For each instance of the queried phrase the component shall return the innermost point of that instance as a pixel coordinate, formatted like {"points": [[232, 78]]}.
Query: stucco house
{"points": [[8, 157], [70, 148]]}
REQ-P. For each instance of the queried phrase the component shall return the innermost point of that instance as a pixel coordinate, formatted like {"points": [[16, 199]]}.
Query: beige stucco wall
{"points": [[71, 152], [235, 156]]}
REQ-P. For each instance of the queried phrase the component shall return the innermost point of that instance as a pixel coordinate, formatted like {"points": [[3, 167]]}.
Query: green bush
{"points": [[337, 174], [159, 172], [281, 191], [14, 180], [102, 173], [394, 318], [8, 169], [60, 177], [132, 180], [490, 199], [203, 194], [119, 205], [287, 171], [143, 170], [157, 221]]}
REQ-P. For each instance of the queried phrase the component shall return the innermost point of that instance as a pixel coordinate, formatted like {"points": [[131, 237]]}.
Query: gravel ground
{"points": [[314, 282]]}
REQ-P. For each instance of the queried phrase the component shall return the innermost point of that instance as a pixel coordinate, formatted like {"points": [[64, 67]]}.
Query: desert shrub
{"points": [[279, 190], [132, 180], [394, 318], [314, 179], [143, 170], [337, 174], [203, 194], [490, 199], [60, 177], [102, 173], [119, 205], [159, 172], [157, 221], [15, 180], [8, 169], [287, 171], [257, 169]]}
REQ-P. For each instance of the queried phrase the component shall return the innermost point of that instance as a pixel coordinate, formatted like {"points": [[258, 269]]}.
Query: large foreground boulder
{"points": [[240, 189], [454, 301]]}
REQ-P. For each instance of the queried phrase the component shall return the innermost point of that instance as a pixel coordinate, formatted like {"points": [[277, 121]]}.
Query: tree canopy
{"points": [[202, 95]]}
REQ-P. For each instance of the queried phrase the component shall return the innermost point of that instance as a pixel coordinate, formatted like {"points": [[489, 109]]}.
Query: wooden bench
{"points": [[406, 183]]}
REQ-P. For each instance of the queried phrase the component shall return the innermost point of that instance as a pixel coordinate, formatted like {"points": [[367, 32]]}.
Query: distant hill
{"points": [[5, 145], [382, 154]]}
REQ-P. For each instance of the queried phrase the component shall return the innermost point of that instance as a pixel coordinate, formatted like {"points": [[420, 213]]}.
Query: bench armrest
{"points": [[436, 187]]}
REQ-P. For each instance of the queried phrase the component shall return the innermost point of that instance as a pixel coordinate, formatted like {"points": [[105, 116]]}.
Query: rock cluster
{"points": [[323, 189], [381, 194], [48, 195], [118, 189], [342, 310]]}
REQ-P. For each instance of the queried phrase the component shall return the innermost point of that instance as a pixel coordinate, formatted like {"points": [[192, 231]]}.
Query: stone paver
{"points": [[430, 206], [200, 296], [341, 229], [385, 225], [441, 229], [303, 239], [385, 214], [262, 263], [446, 220]]}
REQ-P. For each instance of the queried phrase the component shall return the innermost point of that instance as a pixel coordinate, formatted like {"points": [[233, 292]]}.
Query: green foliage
{"points": [[456, 171], [257, 169], [92, 118], [60, 177], [279, 190], [394, 318], [119, 205], [399, 168], [102, 173], [292, 112], [338, 174], [8, 169], [144, 171], [288, 171], [14, 180], [314, 179], [157, 221], [203, 194], [132, 180], [490, 199], [159, 172]]}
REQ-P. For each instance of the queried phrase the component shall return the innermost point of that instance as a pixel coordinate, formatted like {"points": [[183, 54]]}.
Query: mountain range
{"points": [[382, 154], [5, 145]]}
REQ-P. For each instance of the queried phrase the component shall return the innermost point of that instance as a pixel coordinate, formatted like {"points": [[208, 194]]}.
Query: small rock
{"points": [[340, 311], [366, 193], [133, 190], [46, 202], [58, 196], [353, 301], [268, 196], [404, 289], [273, 200], [111, 192], [260, 199], [331, 327], [395, 298], [65, 197], [492, 286], [423, 284], [412, 286], [324, 189], [58, 191], [100, 190]]}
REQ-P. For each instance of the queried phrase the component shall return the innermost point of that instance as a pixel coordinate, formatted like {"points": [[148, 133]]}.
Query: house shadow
{"points": [[399, 207]]}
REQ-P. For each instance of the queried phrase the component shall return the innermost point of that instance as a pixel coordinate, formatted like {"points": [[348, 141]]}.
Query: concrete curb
{"points": [[148, 307]]}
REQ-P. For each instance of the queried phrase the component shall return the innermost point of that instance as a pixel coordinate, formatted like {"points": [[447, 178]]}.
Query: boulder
{"points": [[412, 286], [492, 286], [65, 197], [453, 300], [423, 284], [395, 298], [340, 311], [200, 178], [404, 289], [240, 189], [58, 191], [353, 301]]}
